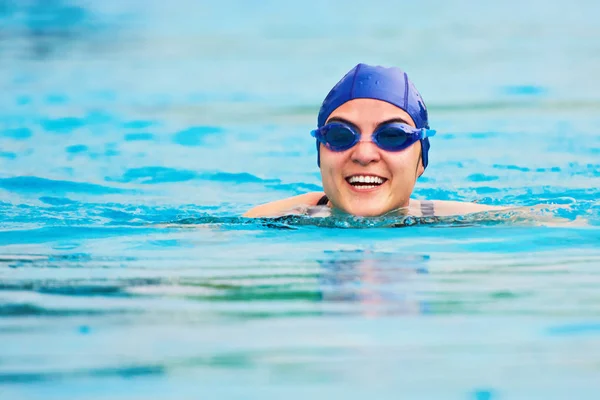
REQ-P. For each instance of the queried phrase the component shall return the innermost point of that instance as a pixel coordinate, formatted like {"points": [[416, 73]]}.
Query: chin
{"points": [[367, 211]]}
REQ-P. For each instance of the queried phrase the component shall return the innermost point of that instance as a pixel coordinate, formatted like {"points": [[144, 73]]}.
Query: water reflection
{"points": [[376, 283]]}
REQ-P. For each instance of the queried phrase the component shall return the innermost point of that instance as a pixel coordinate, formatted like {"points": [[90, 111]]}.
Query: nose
{"points": [[365, 152]]}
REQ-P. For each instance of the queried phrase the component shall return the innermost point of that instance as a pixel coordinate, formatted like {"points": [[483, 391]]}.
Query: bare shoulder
{"points": [[277, 208], [446, 208]]}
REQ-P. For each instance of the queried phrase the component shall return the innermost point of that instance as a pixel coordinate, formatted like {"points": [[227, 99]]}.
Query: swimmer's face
{"points": [[398, 170]]}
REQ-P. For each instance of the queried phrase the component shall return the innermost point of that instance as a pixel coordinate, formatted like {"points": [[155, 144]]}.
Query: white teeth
{"points": [[365, 179]]}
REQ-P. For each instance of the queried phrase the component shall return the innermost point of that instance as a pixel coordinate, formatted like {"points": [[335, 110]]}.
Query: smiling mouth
{"points": [[365, 182]]}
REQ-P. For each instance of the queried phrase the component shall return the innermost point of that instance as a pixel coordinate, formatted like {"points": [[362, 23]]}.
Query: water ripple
{"points": [[34, 184], [17, 133], [120, 371], [153, 175], [30, 310], [62, 125], [195, 136]]}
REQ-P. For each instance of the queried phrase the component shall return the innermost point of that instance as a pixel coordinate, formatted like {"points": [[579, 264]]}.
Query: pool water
{"points": [[134, 135]]}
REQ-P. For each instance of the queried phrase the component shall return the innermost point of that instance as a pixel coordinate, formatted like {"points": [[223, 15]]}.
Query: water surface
{"points": [[133, 136]]}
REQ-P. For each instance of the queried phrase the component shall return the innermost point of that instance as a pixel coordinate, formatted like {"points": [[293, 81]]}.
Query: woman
{"points": [[372, 145]]}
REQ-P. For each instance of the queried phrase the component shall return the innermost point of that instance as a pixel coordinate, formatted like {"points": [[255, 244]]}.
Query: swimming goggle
{"points": [[338, 136]]}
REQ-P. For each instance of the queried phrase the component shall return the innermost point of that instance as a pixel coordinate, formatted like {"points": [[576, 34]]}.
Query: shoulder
{"points": [[447, 208], [277, 208]]}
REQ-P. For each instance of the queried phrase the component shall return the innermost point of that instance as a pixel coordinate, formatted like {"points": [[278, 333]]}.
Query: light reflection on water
{"points": [[134, 135]]}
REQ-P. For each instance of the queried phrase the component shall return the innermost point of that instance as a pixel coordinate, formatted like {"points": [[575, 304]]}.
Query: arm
{"points": [[531, 214], [279, 207]]}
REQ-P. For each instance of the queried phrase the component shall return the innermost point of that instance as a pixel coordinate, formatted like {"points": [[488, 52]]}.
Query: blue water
{"points": [[134, 134]]}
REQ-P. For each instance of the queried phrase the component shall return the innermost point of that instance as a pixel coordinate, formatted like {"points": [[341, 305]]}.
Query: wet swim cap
{"points": [[374, 82]]}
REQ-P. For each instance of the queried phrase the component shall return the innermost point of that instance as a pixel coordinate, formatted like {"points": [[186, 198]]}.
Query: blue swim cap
{"points": [[374, 82]]}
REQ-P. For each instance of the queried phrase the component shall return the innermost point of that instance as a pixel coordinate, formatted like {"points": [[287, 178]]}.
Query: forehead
{"points": [[365, 112]]}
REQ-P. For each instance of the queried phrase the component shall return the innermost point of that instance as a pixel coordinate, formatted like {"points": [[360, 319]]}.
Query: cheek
{"points": [[404, 163], [331, 162]]}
